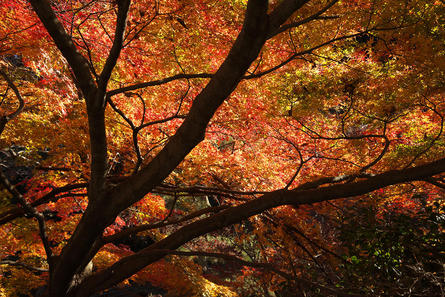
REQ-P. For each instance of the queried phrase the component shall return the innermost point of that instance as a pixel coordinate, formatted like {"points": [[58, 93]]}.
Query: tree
{"points": [[328, 100]]}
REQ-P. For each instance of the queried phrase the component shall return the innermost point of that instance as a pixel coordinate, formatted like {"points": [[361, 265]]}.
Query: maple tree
{"points": [[128, 114]]}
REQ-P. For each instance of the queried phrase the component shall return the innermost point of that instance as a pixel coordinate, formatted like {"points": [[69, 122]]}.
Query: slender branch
{"points": [[303, 248], [232, 258], [52, 196], [209, 75], [301, 233], [172, 207], [430, 145], [51, 168], [34, 213], [315, 16], [5, 119], [121, 113], [157, 82], [122, 13], [17, 94], [167, 119], [136, 229], [23, 265], [380, 156], [282, 13], [138, 31], [300, 156], [137, 129], [90, 55]]}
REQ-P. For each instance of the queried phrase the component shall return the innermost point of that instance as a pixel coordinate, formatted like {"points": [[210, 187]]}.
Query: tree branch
{"points": [[315, 16], [122, 13], [283, 12], [5, 119], [191, 132], [141, 228], [52, 196], [64, 43], [23, 265], [292, 57], [157, 82], [34, 213], [113, 200], [129, 265], [17, 94]]}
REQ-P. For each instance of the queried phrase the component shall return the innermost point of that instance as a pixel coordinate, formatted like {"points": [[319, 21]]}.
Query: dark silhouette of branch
{"points": [[34, 213], [52, 196], [315, 16], [209, 75], [128, 265], [158, 82], [122, 13], [136, 229], [6, 118], [23, 265], [64, 43]]}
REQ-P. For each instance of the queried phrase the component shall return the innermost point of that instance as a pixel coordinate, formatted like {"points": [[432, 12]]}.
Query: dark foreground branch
{"points": [[130, 265]]}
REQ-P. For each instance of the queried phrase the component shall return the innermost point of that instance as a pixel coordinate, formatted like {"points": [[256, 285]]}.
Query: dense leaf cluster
{"points": [[394, 252]]}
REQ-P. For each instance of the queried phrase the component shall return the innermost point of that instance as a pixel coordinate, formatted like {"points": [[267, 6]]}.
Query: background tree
{"points": [[279, 108]]}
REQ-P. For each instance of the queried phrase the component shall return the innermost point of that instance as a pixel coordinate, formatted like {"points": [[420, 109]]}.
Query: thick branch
{"points": [[122, 13], [191, 132], [130, 265], [66, 46], [102, 212]]}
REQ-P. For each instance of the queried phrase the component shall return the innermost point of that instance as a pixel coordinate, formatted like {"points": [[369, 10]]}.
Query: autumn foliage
{"points": [[222, 147]]}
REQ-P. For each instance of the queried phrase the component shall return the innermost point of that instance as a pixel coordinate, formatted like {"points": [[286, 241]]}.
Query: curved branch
{"points": [[28, 208], [157, 82], [131, 264], [379, 157], [166, 80], [5, 119], [17, 94], [52, 196], [65, 44], [435, 139]]}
